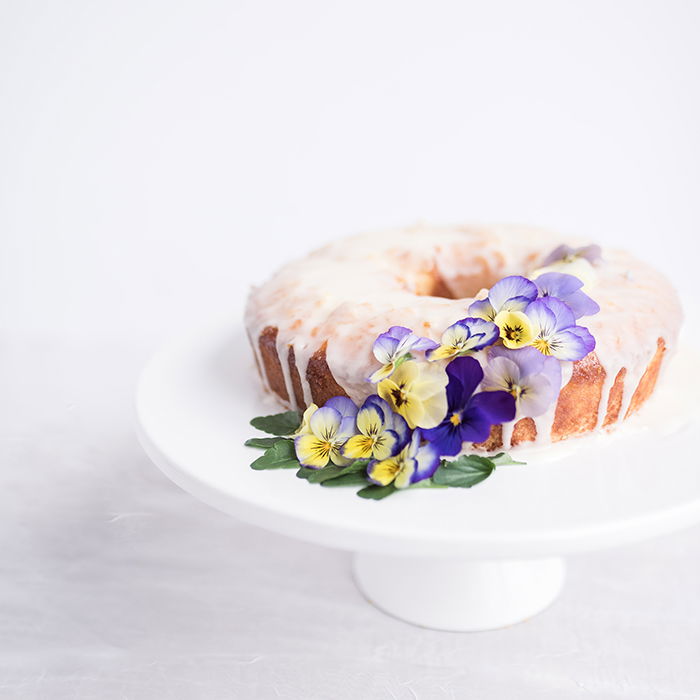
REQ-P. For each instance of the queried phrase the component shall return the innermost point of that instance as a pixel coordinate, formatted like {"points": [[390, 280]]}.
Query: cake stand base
{"points": [[459, 595]]}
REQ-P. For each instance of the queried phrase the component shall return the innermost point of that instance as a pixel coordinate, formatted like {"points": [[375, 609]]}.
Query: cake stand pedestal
{"points": [[449, 559], [462, 595]]}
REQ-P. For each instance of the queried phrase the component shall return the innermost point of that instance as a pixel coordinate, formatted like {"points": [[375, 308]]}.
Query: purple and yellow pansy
{"points": [[465, 336], [414, 463]]}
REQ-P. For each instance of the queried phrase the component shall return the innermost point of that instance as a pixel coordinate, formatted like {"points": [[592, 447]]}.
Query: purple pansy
{"points": [[469, 416], [565, 253], [395, 346], [555, 330], [512, 293], [567, 288], [533, 379]]}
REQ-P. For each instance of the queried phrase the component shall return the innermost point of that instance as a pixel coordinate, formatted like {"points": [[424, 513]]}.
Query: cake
{"points": [[313, 324]]}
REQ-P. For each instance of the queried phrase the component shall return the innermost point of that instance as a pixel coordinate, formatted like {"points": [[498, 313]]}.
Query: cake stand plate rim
{"points": [[403, 525]]}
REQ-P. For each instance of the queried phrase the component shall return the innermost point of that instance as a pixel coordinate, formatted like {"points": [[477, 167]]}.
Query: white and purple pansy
{"points": [[555, 331], [512, 293], [567, 288], [533, 379], [469, 416], [328, 429], [377, 437], [579, 262], [414, 463], [394, 347], [567, 254], [465, 336]]}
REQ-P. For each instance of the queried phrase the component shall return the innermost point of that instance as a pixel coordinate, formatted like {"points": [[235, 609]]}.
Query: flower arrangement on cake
{"points": [[431, 402]]}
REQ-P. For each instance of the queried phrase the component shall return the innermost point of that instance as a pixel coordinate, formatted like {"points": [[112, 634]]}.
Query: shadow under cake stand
{"points": [[449, 559]]}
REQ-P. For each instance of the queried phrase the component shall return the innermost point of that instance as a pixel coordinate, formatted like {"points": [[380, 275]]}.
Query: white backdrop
{"points": [[156, 158]]}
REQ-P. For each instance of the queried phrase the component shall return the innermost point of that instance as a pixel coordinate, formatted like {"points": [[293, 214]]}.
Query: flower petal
{"points": [[544, 322], [559, 253], [443, 352], [424, 344], [502, 373], [386, 445], [405, 476], [516, 328], [527, 359], [482, 309], [359, 447], [537, 395], [557, 284], [510, 288], [427, 460], [304, 427], [383, 372], [563, 315], [325, 423], [384, 348], [570, 344], [433, 409], [344, 405], [581, 304], [383, 472], [495, 406], [311, 451], [399, 332], [446, 438], [370, 420], [468, 373]]}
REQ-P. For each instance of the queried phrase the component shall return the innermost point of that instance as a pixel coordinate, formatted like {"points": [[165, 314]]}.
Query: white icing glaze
{"points": [[352, 290]]}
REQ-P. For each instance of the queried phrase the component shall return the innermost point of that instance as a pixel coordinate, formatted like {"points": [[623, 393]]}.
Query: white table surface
{"points": [[156, 158]]}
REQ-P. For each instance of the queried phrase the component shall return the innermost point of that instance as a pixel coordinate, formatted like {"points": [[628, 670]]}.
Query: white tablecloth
{"points": [[116, 584]]}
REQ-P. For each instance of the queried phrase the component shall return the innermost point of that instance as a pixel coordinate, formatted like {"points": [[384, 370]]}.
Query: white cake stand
{"points": [[450, 559]]}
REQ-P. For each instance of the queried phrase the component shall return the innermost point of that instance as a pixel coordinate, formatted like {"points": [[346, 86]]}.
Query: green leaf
{"points": [[263, 443], [280, 456], [353, 479], [504, 459], [279, 423], [332, 472], [464, 472], [375, 492]]}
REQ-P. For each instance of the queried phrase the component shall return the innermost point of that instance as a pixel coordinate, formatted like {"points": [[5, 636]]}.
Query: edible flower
{"points": [[469, 416], [377, 438], [416, 391], [579, 262], [556, 332], [567, 288], [532, 378], [328, 430], [394, 347], [512, 293], [462, 337], [515, 328], [567, 254], [414, 463]]}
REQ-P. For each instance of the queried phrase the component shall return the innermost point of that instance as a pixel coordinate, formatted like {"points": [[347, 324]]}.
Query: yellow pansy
{"points": [[382, 432], [516, 329], [328, 430], [416, 390]]}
